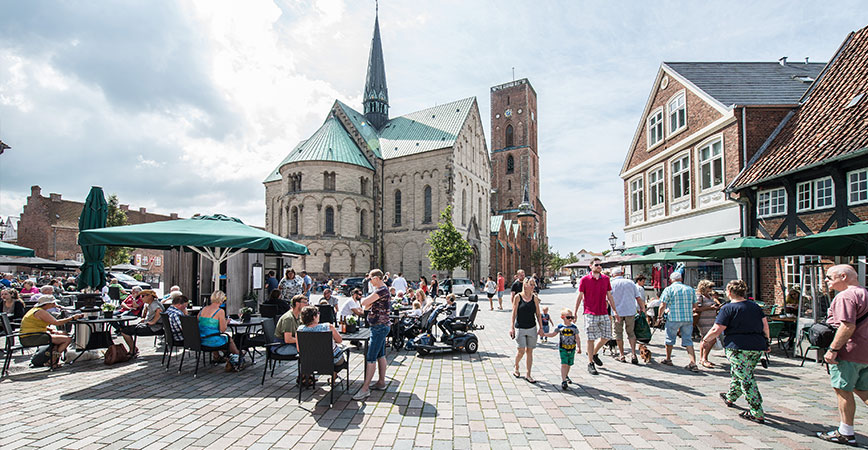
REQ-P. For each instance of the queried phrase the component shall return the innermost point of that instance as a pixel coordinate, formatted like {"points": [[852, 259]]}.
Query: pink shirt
{"points": [[595, 290], [501, 284], [848, 306]]}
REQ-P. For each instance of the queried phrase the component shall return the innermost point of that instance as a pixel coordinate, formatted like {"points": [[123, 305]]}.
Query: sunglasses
{"points": [[569, 317]]}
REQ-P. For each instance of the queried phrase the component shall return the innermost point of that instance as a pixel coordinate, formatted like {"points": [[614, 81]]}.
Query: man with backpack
{"points": [[847, 355]]}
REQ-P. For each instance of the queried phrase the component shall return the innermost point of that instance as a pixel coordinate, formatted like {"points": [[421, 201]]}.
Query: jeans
{"points": [[377, 343]]}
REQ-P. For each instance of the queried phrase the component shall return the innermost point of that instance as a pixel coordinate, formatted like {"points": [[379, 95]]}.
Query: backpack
{"points": [[116, 353], [821, 334]]}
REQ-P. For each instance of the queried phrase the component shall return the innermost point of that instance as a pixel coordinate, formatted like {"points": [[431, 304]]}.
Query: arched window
{"points": [[293, 221], [463, 207], [479, 209], [509, 136], [363, 219], [280, 220], [329, 220], [427, 215], [397, 208], [508, 185], [510, 203], [510, 164]]}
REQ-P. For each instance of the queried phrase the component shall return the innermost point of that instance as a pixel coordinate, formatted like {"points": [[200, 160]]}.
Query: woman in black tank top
{"points": [[526, 325]]}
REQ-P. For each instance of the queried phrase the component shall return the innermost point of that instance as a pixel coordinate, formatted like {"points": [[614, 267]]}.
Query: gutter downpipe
{"points": [[749, 266]]}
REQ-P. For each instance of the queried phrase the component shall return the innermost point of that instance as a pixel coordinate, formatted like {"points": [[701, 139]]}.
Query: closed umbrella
{"points": [[93, 216], [7, 249]]}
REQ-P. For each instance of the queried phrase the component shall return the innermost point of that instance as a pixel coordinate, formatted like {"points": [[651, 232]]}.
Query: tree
{"points": [[541, 258], [116, 217], [448, 248]]}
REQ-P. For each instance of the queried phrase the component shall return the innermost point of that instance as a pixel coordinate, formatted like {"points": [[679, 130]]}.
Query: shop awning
{"points": [[692, 244], [640, 250]]}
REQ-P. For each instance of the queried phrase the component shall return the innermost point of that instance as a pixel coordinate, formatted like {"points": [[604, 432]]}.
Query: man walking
{"points": [[517, 285], [501, 286], [595, 291], [680, 299], [400, 283], [308, 284], [848, 354], [627, 297]]}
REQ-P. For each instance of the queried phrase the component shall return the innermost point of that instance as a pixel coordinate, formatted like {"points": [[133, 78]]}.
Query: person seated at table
{"points": [[416, 311], [287, 326], [171, 298], [44, 290], [12, 305], [310, 322], [212, 322], [57, 285], [168, 296], [352, 305], [115, 283], [330, 299], [27, 288], [174, 312], [133, 304], [399, 298], [152, 325], [70, 284], [36, 322], [281, 304]]}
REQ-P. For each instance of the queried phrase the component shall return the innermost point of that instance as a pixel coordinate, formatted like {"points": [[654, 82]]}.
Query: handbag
{"points": [[116, 353], [821, 334]]}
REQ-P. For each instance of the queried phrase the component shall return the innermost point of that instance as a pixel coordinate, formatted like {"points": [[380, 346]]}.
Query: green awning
{"points": [[15, 250], [640, 250], [692, 244], [661, 257]]}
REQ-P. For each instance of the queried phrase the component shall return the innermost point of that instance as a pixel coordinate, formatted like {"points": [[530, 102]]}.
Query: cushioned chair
{"points": [[10, 346], [317, 358], [171, 343], [272, 358], [114, 293], [193, 342], [268, 311]]}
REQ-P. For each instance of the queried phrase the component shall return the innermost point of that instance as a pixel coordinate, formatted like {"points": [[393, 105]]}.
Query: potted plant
{"points": [[108, 310], [245, 313], [352, 324]]}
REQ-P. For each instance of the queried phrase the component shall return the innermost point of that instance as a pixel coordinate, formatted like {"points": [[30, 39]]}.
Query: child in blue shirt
{"points": [[546, 321], [570, 343]]}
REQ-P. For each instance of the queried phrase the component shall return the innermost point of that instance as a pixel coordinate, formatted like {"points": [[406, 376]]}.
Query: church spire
{"points": [[376, 99]]}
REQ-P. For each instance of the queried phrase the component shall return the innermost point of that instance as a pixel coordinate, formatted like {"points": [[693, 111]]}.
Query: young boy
{"points": [[570, 343], [546, 321]]}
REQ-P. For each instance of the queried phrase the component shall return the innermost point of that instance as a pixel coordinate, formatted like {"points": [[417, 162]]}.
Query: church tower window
{"points": [[427, 195], [463, 207], [363, 219], [509, 141], [397, 209], [293, 221], [329, 220], [510, 164]]}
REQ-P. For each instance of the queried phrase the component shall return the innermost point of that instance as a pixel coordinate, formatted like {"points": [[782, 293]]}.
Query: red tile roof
{"points": [[823, 128]]}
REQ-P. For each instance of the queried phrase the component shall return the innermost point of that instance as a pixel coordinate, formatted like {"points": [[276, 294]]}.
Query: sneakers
{"points": [[597, 361], [837, 438], [764, 362], [564, 385], [377, 387], [361, 395], [592, 370]]}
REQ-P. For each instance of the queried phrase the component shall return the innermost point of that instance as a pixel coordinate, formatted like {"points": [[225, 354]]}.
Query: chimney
{"points": [[35, 191], [143, 210], [125, 208], [806, 59], [173, 216], [55, 197], [783, 60]]}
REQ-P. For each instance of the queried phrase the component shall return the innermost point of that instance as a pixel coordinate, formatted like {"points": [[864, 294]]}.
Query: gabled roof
{"points": [[750, 83], [425, 130], [496, 221], [368, 132], [830, 124]]}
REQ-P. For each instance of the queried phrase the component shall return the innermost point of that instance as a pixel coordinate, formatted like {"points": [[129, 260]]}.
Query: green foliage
{"points": [[448, 248], [541, 258], [116, 217]]}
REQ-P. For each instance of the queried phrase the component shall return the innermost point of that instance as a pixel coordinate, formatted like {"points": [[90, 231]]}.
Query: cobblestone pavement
{"points": [[442, 401]]}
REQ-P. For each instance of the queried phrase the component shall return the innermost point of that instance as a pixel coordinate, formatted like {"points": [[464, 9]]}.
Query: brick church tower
{"points": [[515, 163]]}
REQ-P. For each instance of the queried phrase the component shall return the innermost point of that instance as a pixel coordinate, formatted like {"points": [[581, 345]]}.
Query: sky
{"points": [[186, 106]]}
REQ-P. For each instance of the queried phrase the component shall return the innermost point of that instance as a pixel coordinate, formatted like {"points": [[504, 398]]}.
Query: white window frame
{"points": [[641, 192], [657, 185], [669, 111], [767, 211], [850, 191], [685, 170], [816, 193], [699, 163], [805, 196], [661, 124]]}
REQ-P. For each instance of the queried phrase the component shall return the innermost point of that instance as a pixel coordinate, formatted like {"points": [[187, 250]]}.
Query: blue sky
{"points": [[186, 106]]}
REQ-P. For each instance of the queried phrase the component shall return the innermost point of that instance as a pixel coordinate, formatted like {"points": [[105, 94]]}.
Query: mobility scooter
{"points": [[457, 333]]}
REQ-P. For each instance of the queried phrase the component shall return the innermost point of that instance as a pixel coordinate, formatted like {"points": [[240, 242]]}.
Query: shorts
{"points": [[35, 340], [568, 357], [849, 376], [285, 350], [377, 343], [140, 329], [686, 333], [628, 324], [499, 295], [598, 327], [526, 337], [545, 328]]}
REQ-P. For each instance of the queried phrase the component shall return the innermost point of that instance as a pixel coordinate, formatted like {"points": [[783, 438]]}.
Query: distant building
{"points": [[8, 233]]}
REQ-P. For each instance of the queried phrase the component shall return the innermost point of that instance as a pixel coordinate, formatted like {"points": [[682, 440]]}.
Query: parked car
{"points": [[127, 281], [460, 286], [348, 284]]}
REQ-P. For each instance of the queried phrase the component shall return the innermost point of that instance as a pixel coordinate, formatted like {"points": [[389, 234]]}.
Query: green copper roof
{"points": [[495, 224], [425, 130], [275, 174], [368, 132]]}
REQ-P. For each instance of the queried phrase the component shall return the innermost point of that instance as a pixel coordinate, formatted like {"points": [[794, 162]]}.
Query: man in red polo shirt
{"points": [[596, 292]]}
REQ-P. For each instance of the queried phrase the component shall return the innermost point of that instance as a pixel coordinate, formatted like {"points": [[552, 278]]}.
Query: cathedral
{"points": [[365, 190]]}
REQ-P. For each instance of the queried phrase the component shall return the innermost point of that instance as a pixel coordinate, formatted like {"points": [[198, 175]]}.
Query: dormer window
{"points": [[677, 113], [655, 128]]}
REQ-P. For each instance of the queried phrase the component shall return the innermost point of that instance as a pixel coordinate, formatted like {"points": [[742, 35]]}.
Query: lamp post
{"points": [[613, 240]]}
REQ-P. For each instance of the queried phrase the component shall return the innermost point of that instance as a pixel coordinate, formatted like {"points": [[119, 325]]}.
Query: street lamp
{"points": [[613, 240]]}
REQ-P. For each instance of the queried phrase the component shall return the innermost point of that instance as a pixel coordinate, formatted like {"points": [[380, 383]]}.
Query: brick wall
{"points": [[760, 124]]}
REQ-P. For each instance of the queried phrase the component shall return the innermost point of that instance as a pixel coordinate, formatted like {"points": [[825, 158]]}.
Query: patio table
{"points": [[243, 337], [98, 336], [362, 334]]}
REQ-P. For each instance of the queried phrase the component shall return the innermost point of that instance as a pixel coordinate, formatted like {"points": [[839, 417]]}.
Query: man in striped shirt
{"points": [[679, 298]]}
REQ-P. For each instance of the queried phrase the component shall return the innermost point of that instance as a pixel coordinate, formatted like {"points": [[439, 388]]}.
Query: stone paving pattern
{"points": [[442, 401]]}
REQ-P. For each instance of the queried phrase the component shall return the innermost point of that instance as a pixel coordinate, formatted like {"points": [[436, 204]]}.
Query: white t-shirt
{"points": [[400, 284], [490, 287], [624, 292], [348, 306]]}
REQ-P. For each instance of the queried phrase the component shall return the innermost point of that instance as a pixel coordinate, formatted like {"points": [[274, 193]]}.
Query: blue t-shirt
{"points": [[744, 326], [270, 284], [5, 282]]}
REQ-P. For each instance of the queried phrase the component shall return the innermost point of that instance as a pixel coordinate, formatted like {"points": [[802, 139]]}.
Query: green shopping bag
{"points": [[642, 329]]}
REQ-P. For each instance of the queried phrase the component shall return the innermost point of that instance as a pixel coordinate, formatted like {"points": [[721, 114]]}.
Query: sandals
{"points": [[516, 374], [530, 379], [622, 359], [748, 416], [726, 401], [666, 362], [692, 367], [708, 364]]}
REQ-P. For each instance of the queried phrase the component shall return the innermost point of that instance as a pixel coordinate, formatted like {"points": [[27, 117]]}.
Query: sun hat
{"points": [[148, 292], [46, 300]]}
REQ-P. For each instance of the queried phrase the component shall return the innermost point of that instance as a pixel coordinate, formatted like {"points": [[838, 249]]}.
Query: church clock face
{"points": [[507, 113]]}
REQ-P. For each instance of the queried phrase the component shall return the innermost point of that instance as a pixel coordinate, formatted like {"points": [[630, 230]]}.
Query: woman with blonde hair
{"points": [[212, 323], [526, 326], [706, 308]]}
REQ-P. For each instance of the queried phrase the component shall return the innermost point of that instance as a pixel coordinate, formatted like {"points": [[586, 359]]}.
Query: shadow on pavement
{"points": [[655, 382]]}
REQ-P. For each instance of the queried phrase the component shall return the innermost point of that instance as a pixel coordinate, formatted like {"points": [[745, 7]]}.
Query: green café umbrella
{"points": [[7, 249], [664, 256], [743, 247], [216, 238], [846, 241], [93, 216]]}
